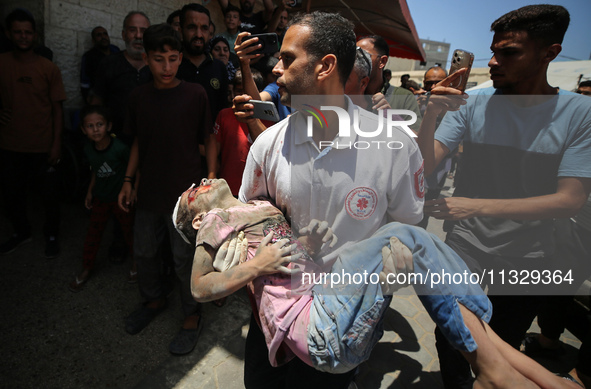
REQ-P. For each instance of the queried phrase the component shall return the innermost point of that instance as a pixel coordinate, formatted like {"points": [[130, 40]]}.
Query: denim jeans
{"points": [[346, 320]]}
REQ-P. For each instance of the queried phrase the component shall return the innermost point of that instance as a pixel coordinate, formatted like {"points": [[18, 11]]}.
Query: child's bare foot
{"points": [[77, 284]]}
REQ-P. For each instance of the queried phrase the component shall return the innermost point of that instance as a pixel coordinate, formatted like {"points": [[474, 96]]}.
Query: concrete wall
{"points": [[65, 25]]}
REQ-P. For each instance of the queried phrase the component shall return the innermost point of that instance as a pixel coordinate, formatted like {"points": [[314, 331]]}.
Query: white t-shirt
{"points": [[356, 190]]}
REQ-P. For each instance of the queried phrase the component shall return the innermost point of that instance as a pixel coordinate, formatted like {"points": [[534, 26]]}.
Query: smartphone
{"points": [[461, 59], [265, 110], [269, 43]]}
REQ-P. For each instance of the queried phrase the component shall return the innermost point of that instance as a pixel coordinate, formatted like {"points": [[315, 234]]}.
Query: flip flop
{"points": [[76, 285]]}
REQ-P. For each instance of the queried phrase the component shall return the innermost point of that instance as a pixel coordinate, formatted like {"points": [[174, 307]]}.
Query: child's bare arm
{"points": [[88, 199], [207, 284]]}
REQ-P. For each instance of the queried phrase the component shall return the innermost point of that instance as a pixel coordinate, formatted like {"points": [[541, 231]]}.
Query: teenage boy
{"points": [[232, 23], [31, 120], [525, 162], [169, 119]]}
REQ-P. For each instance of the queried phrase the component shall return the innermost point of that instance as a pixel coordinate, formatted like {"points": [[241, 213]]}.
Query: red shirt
{"points": [[234, 145]]}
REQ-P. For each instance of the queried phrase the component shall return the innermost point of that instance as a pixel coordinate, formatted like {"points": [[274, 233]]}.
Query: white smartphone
{"points": [[265, 110]]}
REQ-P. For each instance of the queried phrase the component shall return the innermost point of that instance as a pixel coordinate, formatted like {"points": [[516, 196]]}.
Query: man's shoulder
{"points": [[397, 90]]}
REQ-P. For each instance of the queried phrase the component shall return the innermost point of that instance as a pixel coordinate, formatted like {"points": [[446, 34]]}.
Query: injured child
{"points": [[334, 328]]}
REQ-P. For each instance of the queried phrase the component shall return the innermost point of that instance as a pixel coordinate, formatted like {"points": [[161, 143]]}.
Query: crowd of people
{"points": [[279, 200]]}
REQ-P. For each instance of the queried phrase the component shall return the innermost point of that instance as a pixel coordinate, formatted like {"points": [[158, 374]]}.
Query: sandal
{"points": [[76, 285], [533, 348]]}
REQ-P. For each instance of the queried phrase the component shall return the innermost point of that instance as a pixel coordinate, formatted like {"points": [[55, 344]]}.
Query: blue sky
{"points": [[465, 24]]}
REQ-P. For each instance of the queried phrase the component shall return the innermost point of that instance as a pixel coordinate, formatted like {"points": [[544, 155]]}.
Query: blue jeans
{"points": [[346, 320]]}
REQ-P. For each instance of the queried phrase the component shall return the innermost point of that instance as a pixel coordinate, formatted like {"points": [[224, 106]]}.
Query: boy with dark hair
{"points": [[31, 121], [169, 119], [108, 157], [232, 23], [233, 138]]}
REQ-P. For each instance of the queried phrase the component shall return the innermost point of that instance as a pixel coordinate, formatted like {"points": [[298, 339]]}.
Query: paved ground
{"points": [[52, 338]]}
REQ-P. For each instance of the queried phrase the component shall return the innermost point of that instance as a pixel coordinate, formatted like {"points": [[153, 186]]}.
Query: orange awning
{"points": [[388, 18]]}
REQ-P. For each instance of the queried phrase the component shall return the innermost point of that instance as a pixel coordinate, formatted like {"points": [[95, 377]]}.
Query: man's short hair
{"points": [[133, 13], [412, 84], [193, 7], [20, 15], [231, 8], [173, 15], [387, 72], [330, 33], [160, 35], [585, 84], [362, 63], [379, 44], [544, 23]]}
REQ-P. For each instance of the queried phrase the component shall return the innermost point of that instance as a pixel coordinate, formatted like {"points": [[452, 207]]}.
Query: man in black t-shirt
{"points": [[198, 65], [117, 75], [91, 59]]}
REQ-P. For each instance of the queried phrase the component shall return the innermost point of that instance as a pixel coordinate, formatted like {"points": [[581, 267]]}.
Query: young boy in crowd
{"points": [[232, 23], [293, 312], [233, 138], [168, 119], [108, 158]]}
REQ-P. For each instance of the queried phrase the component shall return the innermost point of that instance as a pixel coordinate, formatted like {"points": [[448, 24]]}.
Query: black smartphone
{"points": [[269, 43]]}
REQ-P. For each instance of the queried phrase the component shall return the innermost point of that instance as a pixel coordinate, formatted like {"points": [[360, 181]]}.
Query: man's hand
{"points": [[231, 253], [5, 116], [452, 208], [379, 102], [444, 98], [126, 197], [243, 110], [243, 47], [273, 258], [315, 235]]}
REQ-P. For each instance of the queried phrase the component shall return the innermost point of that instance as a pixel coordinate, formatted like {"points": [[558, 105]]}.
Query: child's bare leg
{"points": [[492, 369], [527, 366]]}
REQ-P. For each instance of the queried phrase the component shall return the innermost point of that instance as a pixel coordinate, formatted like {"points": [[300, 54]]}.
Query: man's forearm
{"points": [[570, 197], [211, 156], [426, 141], [255, 128]]}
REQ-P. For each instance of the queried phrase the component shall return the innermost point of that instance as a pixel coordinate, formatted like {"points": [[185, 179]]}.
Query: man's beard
{"points": [[192, 50], [132, 51]]}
